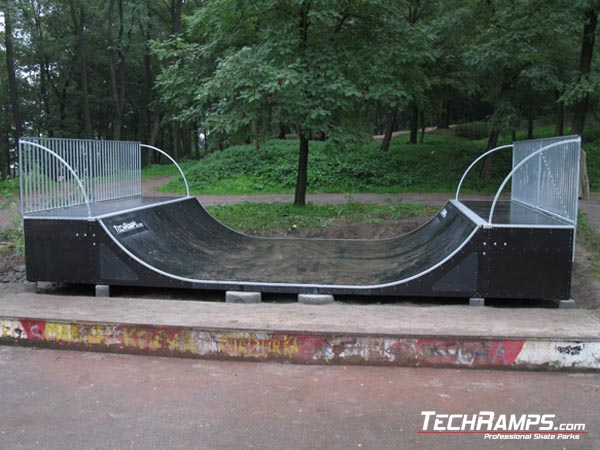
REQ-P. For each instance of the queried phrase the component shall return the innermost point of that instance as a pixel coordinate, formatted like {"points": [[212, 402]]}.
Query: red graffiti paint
{"points": [[468, 352], [34, 329], [308, 346]]}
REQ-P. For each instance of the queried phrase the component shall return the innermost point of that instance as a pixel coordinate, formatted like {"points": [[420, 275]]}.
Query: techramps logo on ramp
{"points": [[127, 227]]}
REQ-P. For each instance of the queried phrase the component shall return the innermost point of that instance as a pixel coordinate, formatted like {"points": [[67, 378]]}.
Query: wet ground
{"points": [[71, 400]]}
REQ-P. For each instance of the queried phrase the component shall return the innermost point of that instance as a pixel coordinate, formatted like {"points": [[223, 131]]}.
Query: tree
{"points": [[516, 62], [586, 83], [12, 78], [270, 62]]}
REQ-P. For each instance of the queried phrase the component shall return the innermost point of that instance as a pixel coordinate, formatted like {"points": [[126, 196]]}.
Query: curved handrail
{"points": [[476, 161], [69, 168], [162, 152], [515, 168]]}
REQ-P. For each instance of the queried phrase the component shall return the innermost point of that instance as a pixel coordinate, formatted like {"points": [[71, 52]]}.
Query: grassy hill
{"points": [[435, 166]]}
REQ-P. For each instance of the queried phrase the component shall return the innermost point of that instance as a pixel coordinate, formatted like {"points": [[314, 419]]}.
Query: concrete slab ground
{"points": [[441, 336]]}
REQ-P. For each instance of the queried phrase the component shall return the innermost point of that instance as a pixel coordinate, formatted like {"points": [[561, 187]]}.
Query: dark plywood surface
{"points": [[99, 208], [182, 239], [512, 213]]}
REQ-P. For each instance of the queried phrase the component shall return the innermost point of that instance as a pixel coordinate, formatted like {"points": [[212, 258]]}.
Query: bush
{"points": [[436, 166], [473, 130]]}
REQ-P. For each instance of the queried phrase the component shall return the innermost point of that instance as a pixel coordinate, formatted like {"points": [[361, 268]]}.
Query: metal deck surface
{"points": [[181, 239], [513, 213], [98, 208]]}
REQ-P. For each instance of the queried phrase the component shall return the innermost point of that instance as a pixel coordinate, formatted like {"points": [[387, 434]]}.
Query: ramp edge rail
{"points": [[162, 152]]}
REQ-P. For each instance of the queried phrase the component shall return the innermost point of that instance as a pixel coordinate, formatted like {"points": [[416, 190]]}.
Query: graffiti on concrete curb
{"points": [[302, 347]]}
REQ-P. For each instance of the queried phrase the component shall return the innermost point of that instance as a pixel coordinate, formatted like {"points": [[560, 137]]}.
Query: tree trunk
{"points": [[255, 140], [46, 124], [444, 121], [12, 78], [559, 130], [486, 170], [116, 56], [585, 64], [302, 179], [282, 130], [196, 139], [584, 181], [422, 136], [387, 138], [530, 126], [414, 124], [79, 24]]}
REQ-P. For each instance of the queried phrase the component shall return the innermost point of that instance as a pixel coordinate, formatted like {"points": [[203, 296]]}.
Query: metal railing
{"points": [[550, 181], [548, 177], [59, 173], [544, 176]]}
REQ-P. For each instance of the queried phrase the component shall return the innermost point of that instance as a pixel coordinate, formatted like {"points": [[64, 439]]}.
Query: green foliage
{"points": [[9, 186], [591, 241], [592, 150], [436, 165], [14, 237], [166, 169], [253, 217], [473, 130]]}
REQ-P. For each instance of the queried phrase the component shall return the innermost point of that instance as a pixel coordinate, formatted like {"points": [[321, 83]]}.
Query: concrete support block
{"points": [[567, 304], [102, 290], [476, 301], [31, 287], [315, 299], [242, 297]]}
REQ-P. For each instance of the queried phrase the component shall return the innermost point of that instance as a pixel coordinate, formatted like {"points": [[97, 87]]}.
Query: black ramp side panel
{"points": [[181, 239]]}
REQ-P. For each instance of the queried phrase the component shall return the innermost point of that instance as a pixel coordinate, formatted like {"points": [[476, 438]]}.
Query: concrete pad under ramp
{"points": [[394, 335]]}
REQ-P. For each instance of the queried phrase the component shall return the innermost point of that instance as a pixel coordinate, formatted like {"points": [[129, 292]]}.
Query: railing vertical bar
{"points": [[50, 169], [45, 182], [113, 171], [103, 171], [19, 148], [25, 161], [63, 178], [78, 156], [37, 180]]}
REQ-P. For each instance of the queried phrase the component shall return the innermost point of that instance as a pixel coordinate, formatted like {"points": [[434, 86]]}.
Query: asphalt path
{"points": [[76, 400]]}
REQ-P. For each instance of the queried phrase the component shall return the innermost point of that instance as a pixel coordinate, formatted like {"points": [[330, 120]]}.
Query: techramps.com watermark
{"points": [[494, 426]]}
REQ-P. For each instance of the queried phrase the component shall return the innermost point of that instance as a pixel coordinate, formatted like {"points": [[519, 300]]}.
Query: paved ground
{"points": [[70, 400], [336, 319]]}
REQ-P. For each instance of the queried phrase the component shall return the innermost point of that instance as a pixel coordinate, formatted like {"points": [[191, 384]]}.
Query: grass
{"points": [[264, 217], [166, 169], [435, 166], [591, 241]]}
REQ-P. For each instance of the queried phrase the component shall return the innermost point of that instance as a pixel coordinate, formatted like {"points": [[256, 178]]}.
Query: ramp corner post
{"points": [[170, 158]]}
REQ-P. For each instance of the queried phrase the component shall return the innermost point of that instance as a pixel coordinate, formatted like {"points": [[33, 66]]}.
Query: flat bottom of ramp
{"points": [[395, 335]]}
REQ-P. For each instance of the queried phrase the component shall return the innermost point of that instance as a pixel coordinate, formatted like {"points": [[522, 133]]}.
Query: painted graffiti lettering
{"points": [[569, 349], [298, 347]]}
